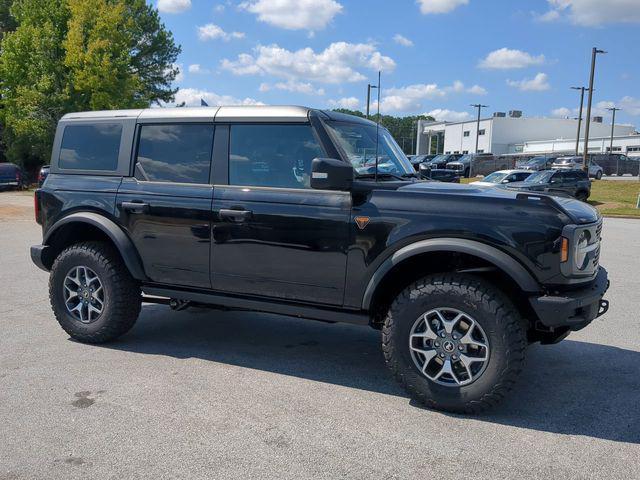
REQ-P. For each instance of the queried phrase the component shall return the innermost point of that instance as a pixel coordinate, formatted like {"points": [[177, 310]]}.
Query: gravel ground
{"points": [[199, 394]]}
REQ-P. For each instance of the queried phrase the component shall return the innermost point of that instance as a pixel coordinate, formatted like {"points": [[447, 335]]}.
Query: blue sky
{"points": [[436, 56]]}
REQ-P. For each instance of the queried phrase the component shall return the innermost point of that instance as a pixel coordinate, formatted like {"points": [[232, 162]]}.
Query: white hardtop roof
{"points": [[248, 113]]}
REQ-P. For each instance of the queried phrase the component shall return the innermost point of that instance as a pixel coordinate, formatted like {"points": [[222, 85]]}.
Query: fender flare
{"points": [[122, 242], [501, 260]]}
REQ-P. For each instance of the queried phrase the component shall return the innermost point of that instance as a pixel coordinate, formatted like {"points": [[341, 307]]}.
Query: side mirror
{"points": [[331, 174]]}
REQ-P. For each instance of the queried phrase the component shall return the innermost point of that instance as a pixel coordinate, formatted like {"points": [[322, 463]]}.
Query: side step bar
{"points": [[248, 304]]}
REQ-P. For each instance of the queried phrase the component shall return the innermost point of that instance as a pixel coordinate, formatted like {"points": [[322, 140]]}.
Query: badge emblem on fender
{"points": [[362, 222]]}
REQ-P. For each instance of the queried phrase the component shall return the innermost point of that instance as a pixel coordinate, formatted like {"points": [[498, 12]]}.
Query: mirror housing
{"points": [[331, 174], [425, 171]]}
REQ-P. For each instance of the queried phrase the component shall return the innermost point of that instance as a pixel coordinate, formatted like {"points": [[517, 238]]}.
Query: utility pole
{"points": [[582, 89], [369, 88], [613, 111], [479, 106], [585, 154]]}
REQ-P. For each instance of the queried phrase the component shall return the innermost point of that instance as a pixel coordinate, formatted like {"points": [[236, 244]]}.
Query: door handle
{"points": [[135, 207], [235, 215]]}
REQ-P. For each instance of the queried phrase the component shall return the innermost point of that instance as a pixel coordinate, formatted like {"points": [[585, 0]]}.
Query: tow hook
{"points": [[603, 307], [178, 305]]}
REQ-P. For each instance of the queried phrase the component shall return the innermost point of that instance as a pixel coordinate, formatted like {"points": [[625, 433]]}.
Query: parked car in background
{"points": [[502, 177], [441, 161], [574, 183], [12, 176], [536, 164], [416, 160], [575, 163], [43, 174], [438, 174], [471, 165], [617, 163]]}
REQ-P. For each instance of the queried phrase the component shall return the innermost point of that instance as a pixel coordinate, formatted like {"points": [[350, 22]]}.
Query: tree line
{"points": [[59, 56]]}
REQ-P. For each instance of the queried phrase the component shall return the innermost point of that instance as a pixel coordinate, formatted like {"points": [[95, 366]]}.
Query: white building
{"points": [[502, 134], [627, 144]]}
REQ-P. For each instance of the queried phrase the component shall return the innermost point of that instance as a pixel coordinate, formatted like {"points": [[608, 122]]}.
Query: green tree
{"points": [[403, 129], [70, 55]]}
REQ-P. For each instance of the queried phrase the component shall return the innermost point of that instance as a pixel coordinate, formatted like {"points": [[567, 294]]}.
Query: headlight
{"points": [[581, 249]]}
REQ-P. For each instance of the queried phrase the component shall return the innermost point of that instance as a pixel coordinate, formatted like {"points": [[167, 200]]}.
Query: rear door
{"points": [[166, 206], [274, 236]]}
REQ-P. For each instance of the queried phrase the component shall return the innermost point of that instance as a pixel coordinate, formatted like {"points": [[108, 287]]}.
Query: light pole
{"points": [[613, 111], [369, 88], [479, 106], [582, 89], [585, 153]]}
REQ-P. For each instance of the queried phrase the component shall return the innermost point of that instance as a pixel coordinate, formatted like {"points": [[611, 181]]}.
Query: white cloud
{"points": [[592, 13], [340, 62], [477, 90], [538, 83], [219, 8], [402, 40], [505, 58], [197, 69], [562, 112], [174, 6], [294, 14], [191, 97], [443, 114], [439, 6], [549, 16], [627, 104], [411, 97], [293, 86], [351, 103], [211, 31]]}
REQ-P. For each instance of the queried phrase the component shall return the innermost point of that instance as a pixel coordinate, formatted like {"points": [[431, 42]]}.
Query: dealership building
{"points": [[512, 133]]}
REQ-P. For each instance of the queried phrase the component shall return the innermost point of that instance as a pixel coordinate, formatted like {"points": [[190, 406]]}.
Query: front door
{"points": [[166, 207], [273, 236]]}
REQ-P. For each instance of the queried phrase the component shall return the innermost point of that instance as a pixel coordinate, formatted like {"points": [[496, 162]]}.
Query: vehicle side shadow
{"points": [[573, 388]]}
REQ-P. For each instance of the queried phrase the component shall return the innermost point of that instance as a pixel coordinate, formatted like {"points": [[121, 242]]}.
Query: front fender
{"points": [[501, 260], [121, 241]]}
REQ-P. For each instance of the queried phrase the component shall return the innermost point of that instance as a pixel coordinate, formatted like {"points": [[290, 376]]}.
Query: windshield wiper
{"points": [[379, 175]]}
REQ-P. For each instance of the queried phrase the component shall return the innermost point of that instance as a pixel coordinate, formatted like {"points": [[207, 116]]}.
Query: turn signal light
{"points": [[564, 250]]}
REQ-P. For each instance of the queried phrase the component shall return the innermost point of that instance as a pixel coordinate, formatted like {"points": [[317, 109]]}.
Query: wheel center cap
{"points": [[448, 346]]}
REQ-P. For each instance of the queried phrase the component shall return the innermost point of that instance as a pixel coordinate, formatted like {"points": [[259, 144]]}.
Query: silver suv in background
{"points": [[575, 163], [536, 164]]}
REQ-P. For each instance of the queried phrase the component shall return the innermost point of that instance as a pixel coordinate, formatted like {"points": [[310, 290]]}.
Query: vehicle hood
{"points": [[579, 212]]}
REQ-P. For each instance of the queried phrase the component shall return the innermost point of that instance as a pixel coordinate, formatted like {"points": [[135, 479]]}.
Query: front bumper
{"points": [[39, 256], [576, 308]]}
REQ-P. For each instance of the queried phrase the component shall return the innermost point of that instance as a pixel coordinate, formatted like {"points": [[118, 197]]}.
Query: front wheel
{"points": [[93, 296], [598, 174], [455, 342]]}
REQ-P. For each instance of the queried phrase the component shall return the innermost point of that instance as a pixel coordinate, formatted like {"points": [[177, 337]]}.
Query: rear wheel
{"points": [[93, 296], [454, 342]]}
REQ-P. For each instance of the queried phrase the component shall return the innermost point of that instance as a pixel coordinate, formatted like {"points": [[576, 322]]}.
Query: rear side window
{"points": [[272, 155], [91, 147], [174, 153]]}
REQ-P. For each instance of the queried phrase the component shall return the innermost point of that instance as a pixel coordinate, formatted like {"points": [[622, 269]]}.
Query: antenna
{"points": [[377, 128]]}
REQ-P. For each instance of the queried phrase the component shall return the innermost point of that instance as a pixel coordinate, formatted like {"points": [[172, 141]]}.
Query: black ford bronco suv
{"points": [[318, 215]]}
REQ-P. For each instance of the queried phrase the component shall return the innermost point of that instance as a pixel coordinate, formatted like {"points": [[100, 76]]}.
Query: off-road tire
{"points": [[122, 293], [495, 313]]}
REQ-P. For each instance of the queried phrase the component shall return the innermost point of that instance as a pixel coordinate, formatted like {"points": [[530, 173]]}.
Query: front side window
{"points": [[91, 147], [179, 153], [272, 155], [359, 144]]}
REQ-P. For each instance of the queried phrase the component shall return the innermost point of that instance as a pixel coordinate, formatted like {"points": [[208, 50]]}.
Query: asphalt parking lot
{"points": [[199, 394]]}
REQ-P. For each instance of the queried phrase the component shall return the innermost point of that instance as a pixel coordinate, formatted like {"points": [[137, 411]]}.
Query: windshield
{"points": [[440, 158], [564, 161], [540, 177], [358, 141], [495, 177], [465, 158], [536, 161]]}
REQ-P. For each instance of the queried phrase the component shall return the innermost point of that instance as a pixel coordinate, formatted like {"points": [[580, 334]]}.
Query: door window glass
{"points": [[272, 155], [178, 153], [91, 147]]}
